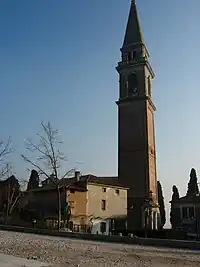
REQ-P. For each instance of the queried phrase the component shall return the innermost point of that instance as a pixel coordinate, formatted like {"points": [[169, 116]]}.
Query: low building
{"points": [[41, 204], [103, 204], [97, 204], [186, 213]]}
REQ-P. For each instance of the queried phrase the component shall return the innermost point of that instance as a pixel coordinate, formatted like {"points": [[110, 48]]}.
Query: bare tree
{"points": [[49, 158], [11, 193], [5, 150]]}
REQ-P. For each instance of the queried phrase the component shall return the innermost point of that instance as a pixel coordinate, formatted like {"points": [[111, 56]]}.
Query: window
{"points": [[134, 54], [184, 213], [132, 83], [149, 86], [117, 192], [188, 212], [103, 204], [103, 189], [103, 227], [123, 87], [191, 212], [129, 56]]}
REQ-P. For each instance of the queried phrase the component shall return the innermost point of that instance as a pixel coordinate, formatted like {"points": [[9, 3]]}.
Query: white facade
{"points": [[97, 227]]}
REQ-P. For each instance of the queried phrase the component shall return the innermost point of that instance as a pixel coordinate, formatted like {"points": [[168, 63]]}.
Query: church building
{"points": [[136, 130]]}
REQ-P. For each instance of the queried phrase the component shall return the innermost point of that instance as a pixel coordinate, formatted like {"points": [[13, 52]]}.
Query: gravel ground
{"points": [[63, 252], [11, 261]]}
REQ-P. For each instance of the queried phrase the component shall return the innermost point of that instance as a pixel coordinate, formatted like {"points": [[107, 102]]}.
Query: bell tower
{"points": [[136, 133]]}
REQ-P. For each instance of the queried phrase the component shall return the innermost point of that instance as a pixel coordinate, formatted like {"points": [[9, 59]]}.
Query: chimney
{"points": [[77, 175]]}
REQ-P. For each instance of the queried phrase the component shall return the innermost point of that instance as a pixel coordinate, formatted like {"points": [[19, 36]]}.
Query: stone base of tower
{"points": [[143, 214]]}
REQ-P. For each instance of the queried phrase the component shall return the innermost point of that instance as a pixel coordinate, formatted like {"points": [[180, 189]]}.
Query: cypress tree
{"points": [[173, 214], [193, 188], [33, 182], [161, 204]]}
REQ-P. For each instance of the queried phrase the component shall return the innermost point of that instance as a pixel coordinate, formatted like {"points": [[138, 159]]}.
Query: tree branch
{"points": [[5, 148], [35, 165], [5, 170], [49, 157], [68, 173]]}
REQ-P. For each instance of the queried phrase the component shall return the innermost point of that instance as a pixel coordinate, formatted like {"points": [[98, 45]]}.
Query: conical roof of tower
{"points": [[133, 33]]}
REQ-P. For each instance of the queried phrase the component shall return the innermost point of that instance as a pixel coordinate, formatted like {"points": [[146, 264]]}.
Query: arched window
{"points": [[123, 87], [134, 54], [149, 86], [132, 84], [129, 56]]}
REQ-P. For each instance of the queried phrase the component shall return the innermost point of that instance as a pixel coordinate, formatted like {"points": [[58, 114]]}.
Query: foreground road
{"points": [[64, 252]]}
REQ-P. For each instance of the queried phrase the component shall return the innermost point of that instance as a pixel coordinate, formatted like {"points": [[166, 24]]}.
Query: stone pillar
{"points": [[155, 220], [152, 219], [146, 219]]}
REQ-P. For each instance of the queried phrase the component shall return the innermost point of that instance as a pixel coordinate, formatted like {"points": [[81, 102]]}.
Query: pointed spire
{"points": [[133, 33]]}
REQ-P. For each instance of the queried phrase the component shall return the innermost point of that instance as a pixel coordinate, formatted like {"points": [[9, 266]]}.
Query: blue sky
{"points": [[57, 63]]}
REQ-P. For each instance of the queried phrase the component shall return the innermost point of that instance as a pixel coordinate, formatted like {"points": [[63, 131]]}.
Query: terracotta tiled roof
{"points": [[104, 180], [35, 199], [81, 184], [89, 178], [74, 186]]}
